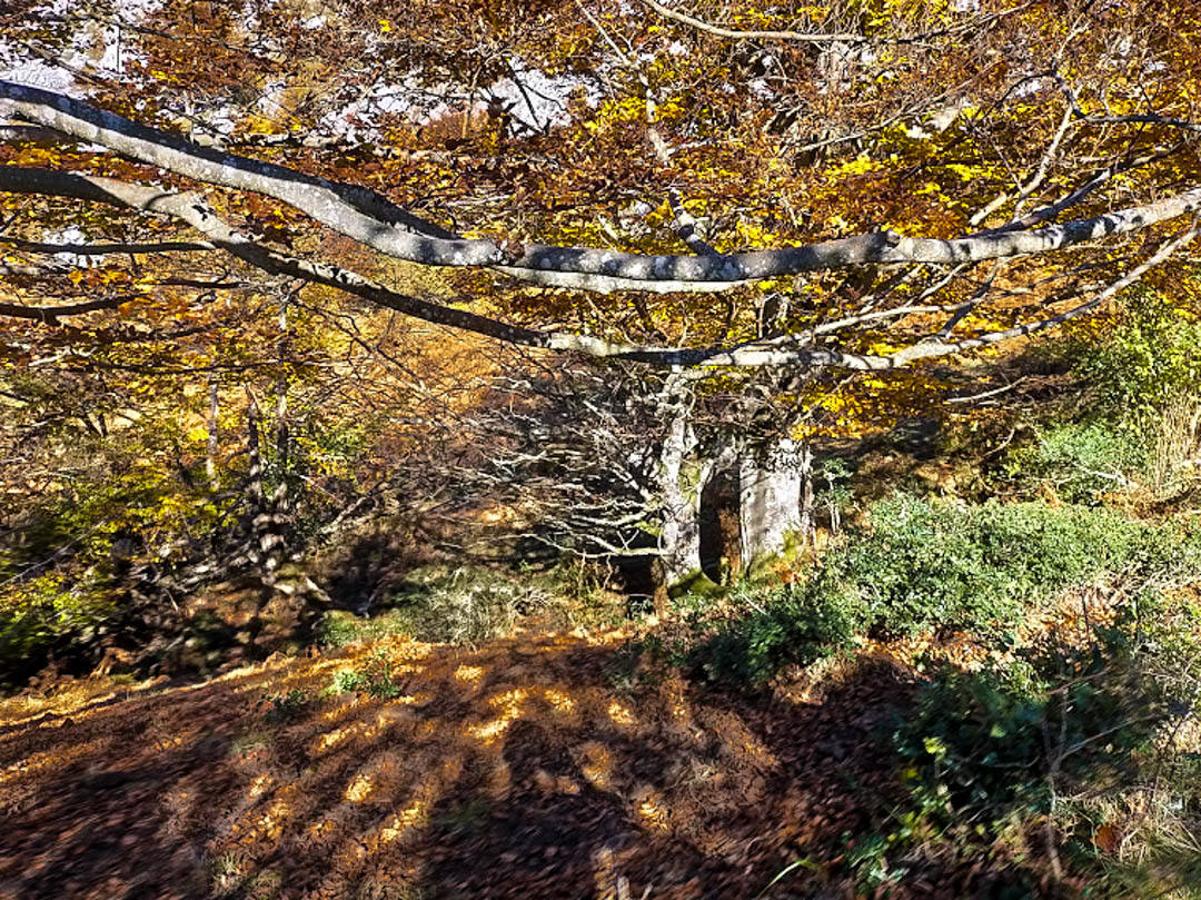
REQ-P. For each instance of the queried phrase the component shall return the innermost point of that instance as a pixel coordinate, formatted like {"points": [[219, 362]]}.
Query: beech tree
{"points": [[765, 203]]}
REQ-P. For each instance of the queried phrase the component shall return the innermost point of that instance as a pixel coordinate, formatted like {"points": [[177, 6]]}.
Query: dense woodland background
{"points": [[627, 448]]}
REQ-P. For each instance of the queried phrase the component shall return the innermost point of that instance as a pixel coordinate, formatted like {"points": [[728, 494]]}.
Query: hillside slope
{"points": [[511, 770]]}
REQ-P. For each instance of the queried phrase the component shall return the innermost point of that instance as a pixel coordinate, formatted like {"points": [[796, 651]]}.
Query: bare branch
{"points": [[50, 315], [376, 222], [108, 249], [1138, 119], [192, 210], [17, 133], [811, 37], [805, 37], [1036, 179]]}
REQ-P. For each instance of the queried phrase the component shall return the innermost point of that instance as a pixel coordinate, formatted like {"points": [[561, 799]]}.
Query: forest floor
{"points": [[528, 767]]}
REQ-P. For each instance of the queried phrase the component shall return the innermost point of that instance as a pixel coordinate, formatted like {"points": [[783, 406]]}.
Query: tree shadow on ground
{"points": [[519, 769]]}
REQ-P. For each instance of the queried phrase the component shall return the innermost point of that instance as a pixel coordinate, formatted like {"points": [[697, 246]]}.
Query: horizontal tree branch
{"points": [[817, 37], [1165, 252], [50, 315], [803, 37], [1137, 119], [192, 210], [376, 222], [1053, 209], [11, 133], [107, 249]]}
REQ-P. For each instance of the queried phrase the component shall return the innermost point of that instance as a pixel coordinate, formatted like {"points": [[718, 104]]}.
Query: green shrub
{"points": [[1149, 359], [788, 625], [1008, 746], [926, 565], [1081, 460], [348, 681], [44, 613], [287, 707], [467, 605], [1135, 423], [376, 677], [340, 627], [979, 568]]}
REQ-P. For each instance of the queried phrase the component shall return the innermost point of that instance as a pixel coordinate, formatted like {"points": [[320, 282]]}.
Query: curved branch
{"points": [[801, 37], [1137, 119], [14, 133], [376, 222], [192, 210], [813, 37], [929, 350], [50, 315], [112, 249], [1079, 194]]}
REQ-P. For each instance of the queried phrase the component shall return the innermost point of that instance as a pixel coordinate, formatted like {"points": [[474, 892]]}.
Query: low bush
{"points": [[466, 606], [282, 709], [790, 625], [1148, 360], [924, 565], [1137, 423], [472, 604], [1040, 748], [980, 568], [376, 677], [340, 627], [1080, 461], [44, 614]]}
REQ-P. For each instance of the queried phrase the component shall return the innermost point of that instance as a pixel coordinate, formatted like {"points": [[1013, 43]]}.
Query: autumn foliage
{"points": [[657, 448]]}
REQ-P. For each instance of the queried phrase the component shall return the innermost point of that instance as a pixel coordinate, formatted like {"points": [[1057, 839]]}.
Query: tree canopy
{"points": [[728, 446], [896, 181]]}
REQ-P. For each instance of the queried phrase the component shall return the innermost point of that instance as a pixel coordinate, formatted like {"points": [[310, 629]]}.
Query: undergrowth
{"points": [[377, 677], [930, 566], [1063, 757], [1065, 753], [469, 605]]}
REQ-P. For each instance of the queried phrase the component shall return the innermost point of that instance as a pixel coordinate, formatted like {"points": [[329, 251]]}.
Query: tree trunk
{"points": [[679, 539], [254, 475], [808, 519], [682, 477], [772, 482], [214, 445], [281, 501], [266, 526]]}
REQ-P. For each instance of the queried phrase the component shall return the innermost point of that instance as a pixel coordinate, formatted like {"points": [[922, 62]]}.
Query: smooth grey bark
{"points": [[769, 352], [378, 223], [772, 485], [679, 492]]}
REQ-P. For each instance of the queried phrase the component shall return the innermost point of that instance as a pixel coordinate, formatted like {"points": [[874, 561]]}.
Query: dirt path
{"points": [[518, 770]]}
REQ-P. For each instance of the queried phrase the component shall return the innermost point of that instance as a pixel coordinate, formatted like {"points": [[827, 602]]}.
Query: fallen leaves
{"points": [[519, 755]]}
